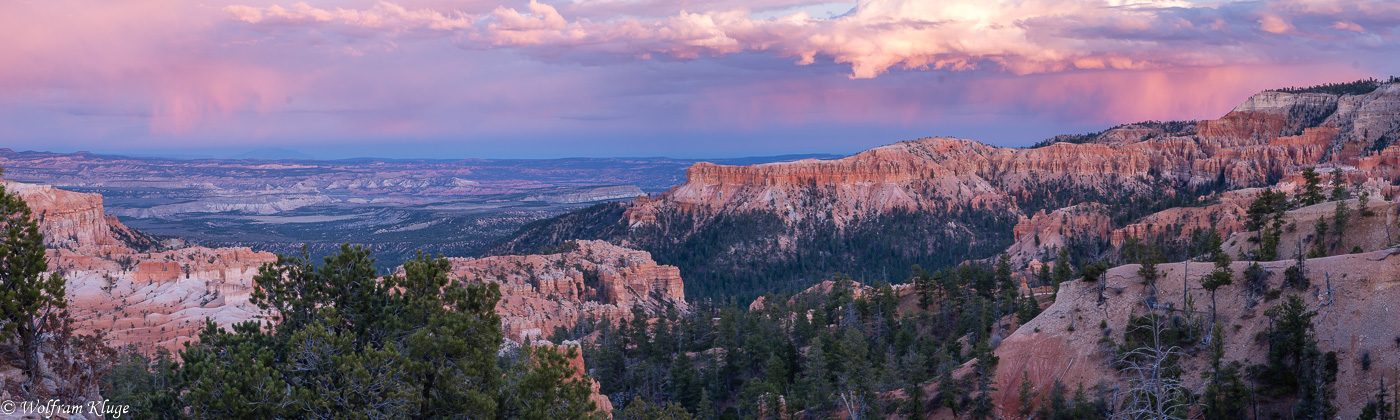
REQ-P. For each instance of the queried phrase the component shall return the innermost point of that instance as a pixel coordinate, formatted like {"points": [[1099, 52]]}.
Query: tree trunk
{"points": [[30, 344], [1212, 309], [1184, 276]]}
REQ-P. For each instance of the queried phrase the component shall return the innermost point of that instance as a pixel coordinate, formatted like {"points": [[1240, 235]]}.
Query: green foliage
{"points": [[1357, 87], [638, 409], [150, 384], [1294, 364], [822, 351], [1312, 188], [1226, 396], [1339, 186], [1062, 272], [541, 384], [1295, 276], [1026, 396], [1380, 407], [345, 343], [1055, 406], [1029, 309], [1148, 256], [1341, 219], [1319, 249], [1256, 281], [1172, 331], [1220, 277], [30, 301], [1265, 216], [1168, 128]]}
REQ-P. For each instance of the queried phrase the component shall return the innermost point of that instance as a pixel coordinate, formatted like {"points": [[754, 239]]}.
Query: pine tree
{"points": [[1007, 290], [1222, 276], [1094, 273], [1062, 271], [413, 345], [1148, 270], [1026, 396], [1312, 188], [29, 299], [1379, 408], [1339, 186], [924, 286], [1341, 219], [1225, 395]]}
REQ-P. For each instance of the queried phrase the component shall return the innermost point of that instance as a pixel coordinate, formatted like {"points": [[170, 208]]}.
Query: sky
{"points": [[685, 78]]}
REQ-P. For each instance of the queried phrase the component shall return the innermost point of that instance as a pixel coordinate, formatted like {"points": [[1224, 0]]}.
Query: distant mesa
{"points": [[274, 154]]}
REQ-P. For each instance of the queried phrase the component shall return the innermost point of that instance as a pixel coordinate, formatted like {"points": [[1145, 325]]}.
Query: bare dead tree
{"points": [[1152, 392]]}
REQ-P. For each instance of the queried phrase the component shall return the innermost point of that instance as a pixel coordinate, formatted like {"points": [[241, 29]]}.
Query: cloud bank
{"points": [[1018, 37], [650, 76]]}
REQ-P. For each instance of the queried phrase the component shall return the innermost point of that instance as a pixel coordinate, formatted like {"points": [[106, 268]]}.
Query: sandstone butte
{"points": [[594, 279], [1267, 140], [162, 298]]}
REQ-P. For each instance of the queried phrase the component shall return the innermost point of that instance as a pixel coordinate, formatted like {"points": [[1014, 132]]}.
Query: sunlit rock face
{"points": [[127, 285], [161, 297], [1270, 136], [593, 279]]}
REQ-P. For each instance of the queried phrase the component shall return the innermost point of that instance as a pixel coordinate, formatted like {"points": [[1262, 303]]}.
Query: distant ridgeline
{"points": [[741, 231]]}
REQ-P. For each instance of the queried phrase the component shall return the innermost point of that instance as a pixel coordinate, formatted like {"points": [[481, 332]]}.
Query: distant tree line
{"points": [[1356, 87]]}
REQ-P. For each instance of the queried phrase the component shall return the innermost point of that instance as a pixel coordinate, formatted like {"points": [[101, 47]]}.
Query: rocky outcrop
{"points": [[1349, 292], [264, 205], [1370, 229], [587, 279], [604, 405], [1039, 237], [587, 195], [66, 219], [162, 297], [966, 188], [151, 298]]}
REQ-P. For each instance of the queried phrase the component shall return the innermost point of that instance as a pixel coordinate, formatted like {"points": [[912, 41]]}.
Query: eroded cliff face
{"points": [[1269, 136], [1349, 292], [593, 279], [156, 298], [162, 297], [1038, 237]]}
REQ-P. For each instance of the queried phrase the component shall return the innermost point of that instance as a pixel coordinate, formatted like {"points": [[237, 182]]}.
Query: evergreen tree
{"points": [[30, 301], [1007, 289], [1312, 188], [1062, 271], [1295, 365], [1026, 396], [1295, 275], [1265, 216], [1339, 186], [1379, 408], [1222, 276], [1148, 270], [1030, 308], [415, 345], [1341, 219], [1225, 396], [1320, 229], [1094, 273], [924, 286]]}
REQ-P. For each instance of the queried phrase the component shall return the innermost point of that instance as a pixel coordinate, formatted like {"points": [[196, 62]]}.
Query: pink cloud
{"points": [[322, 71], [1024, 37], [145, 53]]}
